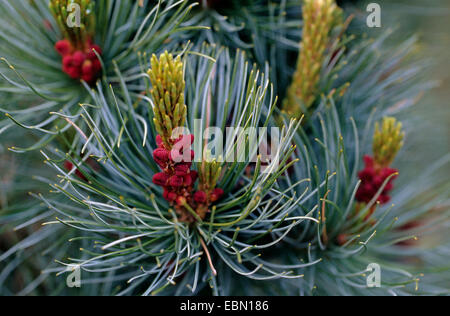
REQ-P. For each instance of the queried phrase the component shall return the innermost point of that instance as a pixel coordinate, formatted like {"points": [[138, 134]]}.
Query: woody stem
{"points": [[208, 256]]}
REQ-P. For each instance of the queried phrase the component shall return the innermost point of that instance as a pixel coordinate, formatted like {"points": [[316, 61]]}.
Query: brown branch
{"points": [[324, 233], [208, 256]]}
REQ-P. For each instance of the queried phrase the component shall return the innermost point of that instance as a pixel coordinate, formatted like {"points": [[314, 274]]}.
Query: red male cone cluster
{"points": [[80, 64], [372, 178], [178, 179], [68, 166]]}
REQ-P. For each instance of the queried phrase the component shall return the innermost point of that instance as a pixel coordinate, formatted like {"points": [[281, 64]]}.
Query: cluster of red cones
{"points": [[68, 166], [372, 178], [178, 179], [80, 63]]}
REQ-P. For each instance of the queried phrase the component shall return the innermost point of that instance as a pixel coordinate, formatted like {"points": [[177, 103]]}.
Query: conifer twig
{"points": [[208, 256]]}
